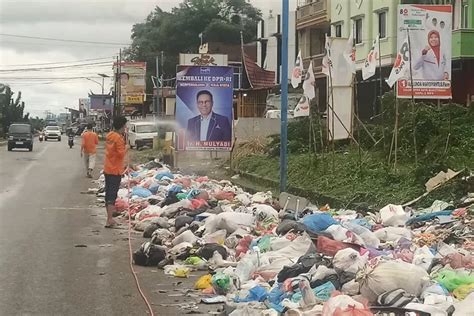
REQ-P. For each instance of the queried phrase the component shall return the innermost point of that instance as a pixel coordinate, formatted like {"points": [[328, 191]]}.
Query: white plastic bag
{"points": [[342, 302], [389, 276], [217, 237], [392, 234], [423, 257], [186, 236], [393, 215], [349, 260], [367, 236], [351, 288]]}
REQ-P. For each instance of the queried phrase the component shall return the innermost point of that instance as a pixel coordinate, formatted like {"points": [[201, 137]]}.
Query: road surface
{"points": [[44, 217]]}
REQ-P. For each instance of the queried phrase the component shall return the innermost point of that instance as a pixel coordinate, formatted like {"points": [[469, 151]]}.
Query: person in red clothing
{"points": [[89, 149], [114, 166]]}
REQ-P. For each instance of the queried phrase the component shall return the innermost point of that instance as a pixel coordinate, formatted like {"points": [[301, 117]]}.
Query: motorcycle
{"points": [[41, 137], [70, 141]]}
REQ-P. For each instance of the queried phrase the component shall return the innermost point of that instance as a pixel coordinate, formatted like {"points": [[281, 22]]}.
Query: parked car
{"points": [[52, 132], [141, 133], [20, 136]]}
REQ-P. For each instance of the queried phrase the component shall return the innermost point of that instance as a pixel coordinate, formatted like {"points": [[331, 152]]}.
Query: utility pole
{"points": [[284, 100], [161, 81], [157, 110]]}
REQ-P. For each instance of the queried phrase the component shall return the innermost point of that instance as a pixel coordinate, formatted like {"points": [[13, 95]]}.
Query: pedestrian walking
{"points": [[114, 166], [89, 149]]}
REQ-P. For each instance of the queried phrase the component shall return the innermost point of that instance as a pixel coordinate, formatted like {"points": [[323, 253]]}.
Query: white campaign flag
{"points": [[401, 65], [349, 54], [370, 64], [302, 108], [327, 62], [308, 84], [297, 73]]}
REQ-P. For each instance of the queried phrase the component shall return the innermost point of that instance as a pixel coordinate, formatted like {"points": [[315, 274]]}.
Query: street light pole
{"points": [[103, 76]]}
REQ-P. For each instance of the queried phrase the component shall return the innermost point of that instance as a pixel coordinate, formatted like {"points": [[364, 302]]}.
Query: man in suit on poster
{"points": [[208, 125]]}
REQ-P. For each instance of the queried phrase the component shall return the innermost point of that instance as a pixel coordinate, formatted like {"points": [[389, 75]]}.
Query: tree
{"points": [[11, 109], [178, 31]]}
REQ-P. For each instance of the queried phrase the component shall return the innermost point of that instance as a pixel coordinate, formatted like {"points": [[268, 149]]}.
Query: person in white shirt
{"points": [[431, 65]]}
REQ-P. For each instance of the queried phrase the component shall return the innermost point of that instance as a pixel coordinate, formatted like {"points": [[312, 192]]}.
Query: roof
{"points": [[257, 77]]}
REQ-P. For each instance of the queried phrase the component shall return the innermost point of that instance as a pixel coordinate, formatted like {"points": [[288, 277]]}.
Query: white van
{"points": [[141, 133]]}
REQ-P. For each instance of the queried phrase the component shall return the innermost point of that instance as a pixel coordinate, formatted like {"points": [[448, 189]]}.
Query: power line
{"points": [[44, 78], [55, 67], [62, 40], [58, 62]]}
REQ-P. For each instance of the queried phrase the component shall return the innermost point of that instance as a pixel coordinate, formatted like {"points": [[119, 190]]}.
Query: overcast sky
{"points": [[84, 20]]}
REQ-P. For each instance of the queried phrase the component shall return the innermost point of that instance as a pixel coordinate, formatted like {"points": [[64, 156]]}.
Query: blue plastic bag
{"points": [[175, 189], [322, 292], [316, 223], [256, 294], [154, 188], [163, 174], [141, 192]]}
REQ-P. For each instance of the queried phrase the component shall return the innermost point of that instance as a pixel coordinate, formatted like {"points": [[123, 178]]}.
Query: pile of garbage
{"points": [[265, 257]]}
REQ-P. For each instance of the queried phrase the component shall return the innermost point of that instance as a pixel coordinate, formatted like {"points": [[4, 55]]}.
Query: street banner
{"points": [[84, 107], [327, 62], [349, 54], [296, 74], [302, 108], [204, 105], [401, 67], [309, 81], [101, 102], [203, 60], [370, 64], [131, 78], [429, 31]]}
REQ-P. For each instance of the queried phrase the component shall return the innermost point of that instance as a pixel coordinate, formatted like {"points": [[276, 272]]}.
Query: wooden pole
{"points": [[396, 135], [412, 100]]}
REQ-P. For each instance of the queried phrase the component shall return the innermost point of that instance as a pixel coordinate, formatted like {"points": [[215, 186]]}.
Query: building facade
{"points": [[269, 31], [366, 19]]}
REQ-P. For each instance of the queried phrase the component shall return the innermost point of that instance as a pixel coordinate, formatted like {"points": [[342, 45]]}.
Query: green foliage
{"points": [[177, 32], [11, 110], [444, 140]]}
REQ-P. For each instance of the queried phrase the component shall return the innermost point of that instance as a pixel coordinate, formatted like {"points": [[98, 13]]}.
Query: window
{"points": [[358, 31], [383, 24], [316, 42], [338, 30]]}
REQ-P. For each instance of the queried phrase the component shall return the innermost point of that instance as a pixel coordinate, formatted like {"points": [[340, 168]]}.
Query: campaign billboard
{"points": [[101, 102], [204, 98], [131, 77], [428, 28]]}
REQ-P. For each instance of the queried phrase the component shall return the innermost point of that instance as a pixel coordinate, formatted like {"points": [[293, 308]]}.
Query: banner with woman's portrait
{"points": [[428, 28]]}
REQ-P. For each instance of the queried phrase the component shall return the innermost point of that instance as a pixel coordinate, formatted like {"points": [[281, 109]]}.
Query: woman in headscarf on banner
{"points": [[431, 65]]}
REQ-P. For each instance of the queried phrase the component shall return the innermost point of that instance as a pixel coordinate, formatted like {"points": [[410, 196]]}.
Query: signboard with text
{"points": [[131, 76], [204, 104], [429, 31]]}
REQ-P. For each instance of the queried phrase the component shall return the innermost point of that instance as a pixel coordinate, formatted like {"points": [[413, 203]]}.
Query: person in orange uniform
{"points": [[114, 166], [89, 149]]}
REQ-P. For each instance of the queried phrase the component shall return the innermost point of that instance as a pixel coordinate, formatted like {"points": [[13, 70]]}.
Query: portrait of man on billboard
{"points": [[208, 125]]}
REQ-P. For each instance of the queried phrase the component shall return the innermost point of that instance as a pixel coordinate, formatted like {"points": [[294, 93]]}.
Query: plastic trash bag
{"points": [[221, 283], [343, 305], [462, 291], [161, 235], [385, 276], [351, 288], [164, 174], [393, 215], [329, 247], [451, 280], [349, 260], [207, 251], [204, 282], [262, 197], [322, 293], [309, 299], [365, 234], [392, 234], [423, 257], [316, 223], [218, 237], [257, 294], [149, 254], [141, 192], [230, 221], [263, 211], [186, 236], [264, 243]]}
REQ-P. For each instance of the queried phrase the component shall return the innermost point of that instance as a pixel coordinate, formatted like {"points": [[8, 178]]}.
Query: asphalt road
{"points": [[43, 218]]}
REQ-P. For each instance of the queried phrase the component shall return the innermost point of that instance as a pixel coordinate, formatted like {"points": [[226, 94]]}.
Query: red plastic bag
{"points": [[329, 247], [344, 305], [224, 195], [121, 205], [198, 203], [243, 245]]}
